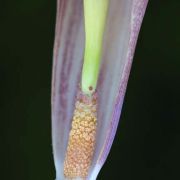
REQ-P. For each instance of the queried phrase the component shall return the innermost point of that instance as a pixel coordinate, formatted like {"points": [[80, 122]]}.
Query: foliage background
{"points": [[147, 143]]}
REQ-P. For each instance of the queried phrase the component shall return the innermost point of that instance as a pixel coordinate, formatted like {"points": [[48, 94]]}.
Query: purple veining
{"points": [[119, 46], [138, 11]]}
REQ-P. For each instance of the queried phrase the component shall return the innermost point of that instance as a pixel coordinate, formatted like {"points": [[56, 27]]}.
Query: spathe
{"points": [[122, 28]]}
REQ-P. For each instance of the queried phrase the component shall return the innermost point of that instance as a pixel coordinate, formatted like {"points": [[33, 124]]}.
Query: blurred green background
{"points": [[147, 144]]}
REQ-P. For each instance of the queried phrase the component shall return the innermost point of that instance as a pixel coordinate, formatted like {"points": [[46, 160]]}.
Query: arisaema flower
{"points": [[94, 46]]}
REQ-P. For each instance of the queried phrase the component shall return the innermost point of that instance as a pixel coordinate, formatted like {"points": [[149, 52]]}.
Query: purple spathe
{"points": [[122, 29], [138, 11]]}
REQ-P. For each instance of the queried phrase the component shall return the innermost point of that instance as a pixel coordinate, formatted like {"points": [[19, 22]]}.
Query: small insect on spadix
{"points": [[94, 46]]}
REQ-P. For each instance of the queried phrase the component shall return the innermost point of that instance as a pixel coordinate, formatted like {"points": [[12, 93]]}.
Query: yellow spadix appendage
{"points": [[81, 142], [95, 12]]}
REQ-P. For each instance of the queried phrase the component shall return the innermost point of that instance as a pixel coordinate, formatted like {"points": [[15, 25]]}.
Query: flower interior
{"points": [[93, 51]]}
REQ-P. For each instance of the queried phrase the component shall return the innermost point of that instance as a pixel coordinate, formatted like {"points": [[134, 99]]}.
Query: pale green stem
{"points": [[95, 12]]}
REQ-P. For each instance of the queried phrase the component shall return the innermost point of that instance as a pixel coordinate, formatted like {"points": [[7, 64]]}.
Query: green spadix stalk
{"points": [[95, 12]]}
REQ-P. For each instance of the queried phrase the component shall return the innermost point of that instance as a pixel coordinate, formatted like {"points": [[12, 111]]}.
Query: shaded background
{"points": [[147, 144]]}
